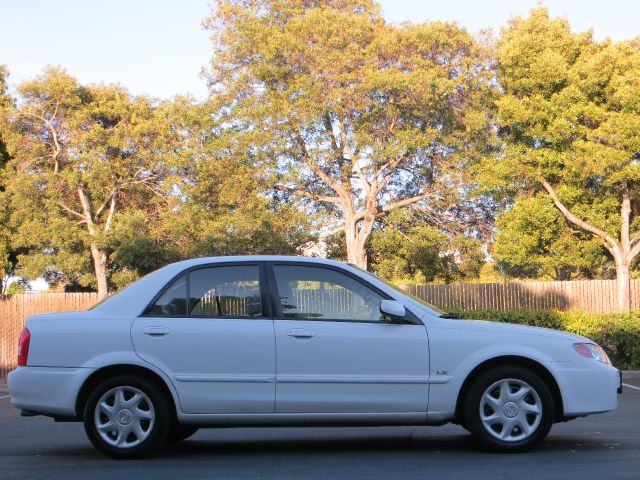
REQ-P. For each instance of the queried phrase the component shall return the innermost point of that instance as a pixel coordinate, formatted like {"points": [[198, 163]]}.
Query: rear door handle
{"points": [[301, 333], [155, 331]]}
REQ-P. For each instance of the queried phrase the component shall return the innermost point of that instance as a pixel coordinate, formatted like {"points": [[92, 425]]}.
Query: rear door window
{"points": [[232, 291], [173, 302], [218, 291]]}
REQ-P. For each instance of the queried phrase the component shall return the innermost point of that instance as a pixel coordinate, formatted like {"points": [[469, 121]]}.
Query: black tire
{"points": [[178, 432], [507, 433], [153, 404]]}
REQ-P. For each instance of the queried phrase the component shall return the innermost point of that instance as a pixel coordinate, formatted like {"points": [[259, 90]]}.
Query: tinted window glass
{"points": [[173, 302], [317, 293], [232, 291]]}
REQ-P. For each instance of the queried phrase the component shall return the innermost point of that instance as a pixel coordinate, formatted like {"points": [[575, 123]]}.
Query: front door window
{"points": [[317, 293]]}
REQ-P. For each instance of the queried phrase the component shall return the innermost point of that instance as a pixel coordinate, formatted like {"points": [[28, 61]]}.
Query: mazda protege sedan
{"points": [[287, 341]]}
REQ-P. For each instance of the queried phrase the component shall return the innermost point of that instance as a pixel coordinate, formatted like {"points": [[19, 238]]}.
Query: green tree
{"points": [[407, 250], [6, 104], [222, 205], [533, 240], [569, 116], [357, 116], [86, 154], [8, 255]]}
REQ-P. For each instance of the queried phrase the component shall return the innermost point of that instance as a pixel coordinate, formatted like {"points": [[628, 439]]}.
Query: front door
{"points": [[336, 353], [211, 333]]}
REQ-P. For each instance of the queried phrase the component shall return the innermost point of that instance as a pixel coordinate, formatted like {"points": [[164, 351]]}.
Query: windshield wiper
{"points": [[451, 315]]}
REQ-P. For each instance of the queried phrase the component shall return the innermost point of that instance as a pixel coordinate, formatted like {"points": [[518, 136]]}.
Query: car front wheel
{"points": [[126, 417], [509, 409]]}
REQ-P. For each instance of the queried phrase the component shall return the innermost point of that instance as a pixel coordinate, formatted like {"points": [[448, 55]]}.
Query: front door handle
{"points": [[155, 331], [301, 333]]}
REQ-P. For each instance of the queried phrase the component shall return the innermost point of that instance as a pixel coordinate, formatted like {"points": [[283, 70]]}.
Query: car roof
{"points": [[137, 296], [255, 258]]}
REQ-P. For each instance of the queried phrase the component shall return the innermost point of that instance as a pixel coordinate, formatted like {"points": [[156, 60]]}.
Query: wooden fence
{"points": [[14, 309], [597, 296], [589, 296]]}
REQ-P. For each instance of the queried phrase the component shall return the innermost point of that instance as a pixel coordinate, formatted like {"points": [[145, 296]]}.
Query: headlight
{"points": [[591, 350]]}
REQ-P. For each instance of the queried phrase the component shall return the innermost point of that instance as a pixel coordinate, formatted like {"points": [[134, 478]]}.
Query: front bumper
{"points": [[588, 390], [620, 386], [47, 390]]}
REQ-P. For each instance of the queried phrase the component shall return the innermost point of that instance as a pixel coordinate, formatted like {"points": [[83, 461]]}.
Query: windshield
{"points": [[403, 292]]}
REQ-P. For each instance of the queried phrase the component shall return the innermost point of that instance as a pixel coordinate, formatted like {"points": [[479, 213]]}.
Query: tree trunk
{"points": [[356, 238], [100, 268], [623, 250], [623, 286], [356, 253]]}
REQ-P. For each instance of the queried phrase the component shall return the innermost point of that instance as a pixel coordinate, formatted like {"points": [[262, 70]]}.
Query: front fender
{"points": [[454, 356]]}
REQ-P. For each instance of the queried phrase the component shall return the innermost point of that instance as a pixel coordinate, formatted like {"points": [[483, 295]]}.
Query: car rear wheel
{"points": [[126, 417], [509, 409]]}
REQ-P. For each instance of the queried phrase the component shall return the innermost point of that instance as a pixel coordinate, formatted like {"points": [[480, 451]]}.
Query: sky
{"points": [[158, 47]]}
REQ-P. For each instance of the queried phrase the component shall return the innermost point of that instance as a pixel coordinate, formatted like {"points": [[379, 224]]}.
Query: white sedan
{"points": [[275, 341]]}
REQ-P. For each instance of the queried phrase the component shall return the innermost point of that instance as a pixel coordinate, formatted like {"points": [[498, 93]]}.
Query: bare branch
{"points": [[105, 203], [324, 176], [390, 167], [609, 242], [355, 164], [112, 210], [311, 195], [332, 232], [86, 208], [444, 220], [328, 125], [625, 216], [144, 180], [635, 250], [408, 201], [73, 212], [159, 193], [57, 149], [357, 168], [400, 203]]}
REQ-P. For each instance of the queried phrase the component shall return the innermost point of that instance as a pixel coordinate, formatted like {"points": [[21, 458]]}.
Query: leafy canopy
{"points": [[87, 157], [408, 250], [353, 114], [534, 241], [569, 115]]}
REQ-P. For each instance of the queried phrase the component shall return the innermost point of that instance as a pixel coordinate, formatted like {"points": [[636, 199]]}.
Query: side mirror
{"points": [[393, 309]]}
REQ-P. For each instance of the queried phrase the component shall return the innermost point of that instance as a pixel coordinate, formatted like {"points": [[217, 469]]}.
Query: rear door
{"points": [[211, 331], [336, 353]]}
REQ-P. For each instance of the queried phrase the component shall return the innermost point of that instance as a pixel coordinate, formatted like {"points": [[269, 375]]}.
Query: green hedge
{"points": [[618, 334]]}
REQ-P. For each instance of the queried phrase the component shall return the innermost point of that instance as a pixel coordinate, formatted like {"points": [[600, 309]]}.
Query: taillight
{"points": [[23, 347]]}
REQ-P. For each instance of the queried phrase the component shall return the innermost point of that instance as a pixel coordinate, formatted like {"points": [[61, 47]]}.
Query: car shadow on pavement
{"points": [[416, 441], [324, 445], [240, 444]]}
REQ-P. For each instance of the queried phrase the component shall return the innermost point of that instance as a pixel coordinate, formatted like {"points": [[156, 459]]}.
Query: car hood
{"points": [[514, 329]]}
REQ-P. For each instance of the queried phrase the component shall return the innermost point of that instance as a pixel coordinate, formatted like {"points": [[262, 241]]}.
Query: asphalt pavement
{"points": [[600, 446]]}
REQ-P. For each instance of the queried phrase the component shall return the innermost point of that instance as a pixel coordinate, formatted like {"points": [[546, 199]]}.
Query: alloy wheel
{"points": [[124, 417], [510, 410]]}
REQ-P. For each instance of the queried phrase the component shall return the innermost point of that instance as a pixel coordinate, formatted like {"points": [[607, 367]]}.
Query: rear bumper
{"points": [[46, 390], [588, 390]]}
